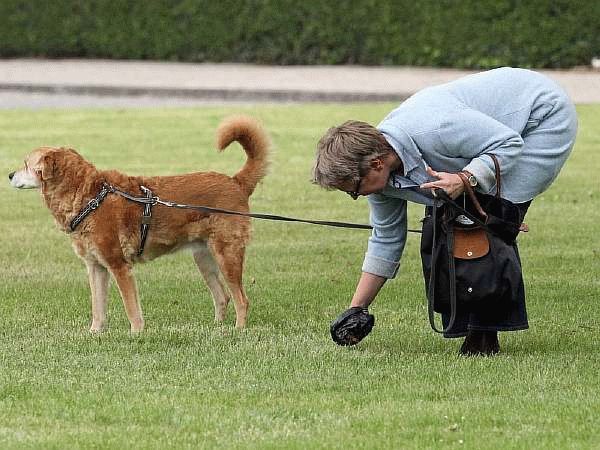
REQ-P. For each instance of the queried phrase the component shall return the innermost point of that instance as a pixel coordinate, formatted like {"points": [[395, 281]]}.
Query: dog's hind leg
{"points": [[123, 275], [230, 257], [210, 272], [98, 278]]}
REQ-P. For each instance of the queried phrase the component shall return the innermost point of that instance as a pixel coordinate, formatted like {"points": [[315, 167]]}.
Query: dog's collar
{"points": [[92, 205]]}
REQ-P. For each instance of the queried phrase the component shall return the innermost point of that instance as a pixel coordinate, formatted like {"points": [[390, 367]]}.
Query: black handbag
{"points": [[469, 254]]}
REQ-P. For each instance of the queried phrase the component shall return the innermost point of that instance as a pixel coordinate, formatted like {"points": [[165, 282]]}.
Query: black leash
{"points": [[156, 200], [451, 272], [150, 200], [432, 275]]}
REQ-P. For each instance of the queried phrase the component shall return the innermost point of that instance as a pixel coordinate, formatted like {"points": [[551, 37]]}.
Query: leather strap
{"points": [[471, 193], [92, 205], [469, 190], [497, 173], [451, 276], [146, 219]]}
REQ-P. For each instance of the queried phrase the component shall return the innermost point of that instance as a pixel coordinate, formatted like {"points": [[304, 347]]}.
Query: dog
{"points": [[108, 238]]}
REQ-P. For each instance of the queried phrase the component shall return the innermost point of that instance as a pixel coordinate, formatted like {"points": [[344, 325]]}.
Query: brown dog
{"points": [[108, 238]]}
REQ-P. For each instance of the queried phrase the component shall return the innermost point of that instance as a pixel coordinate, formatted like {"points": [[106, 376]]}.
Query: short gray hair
{"points": [[344, 153]]}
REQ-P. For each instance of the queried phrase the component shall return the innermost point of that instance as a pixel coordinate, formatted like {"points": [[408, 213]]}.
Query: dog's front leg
{"points": [[126, 282], [98, 278]]}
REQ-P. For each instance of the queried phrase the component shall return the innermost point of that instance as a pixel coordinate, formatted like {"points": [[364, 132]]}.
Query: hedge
{"points": [[450, 33]]}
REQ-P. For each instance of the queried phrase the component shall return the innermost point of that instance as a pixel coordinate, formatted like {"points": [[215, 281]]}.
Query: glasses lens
{"points": [[355, 194]]}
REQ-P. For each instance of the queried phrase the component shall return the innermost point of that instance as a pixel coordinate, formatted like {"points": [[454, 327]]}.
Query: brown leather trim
{"points": [[498, 179], [470, 243], [469, 190]]}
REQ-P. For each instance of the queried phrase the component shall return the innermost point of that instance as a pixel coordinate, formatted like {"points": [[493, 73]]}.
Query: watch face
{"points": [[473, 181]]}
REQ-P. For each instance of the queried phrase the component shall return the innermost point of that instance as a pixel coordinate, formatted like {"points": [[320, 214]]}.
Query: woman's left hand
{"points": [[451, 183]]}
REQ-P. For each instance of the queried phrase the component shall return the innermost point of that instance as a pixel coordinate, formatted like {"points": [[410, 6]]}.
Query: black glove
{"points": [[352, 326]]}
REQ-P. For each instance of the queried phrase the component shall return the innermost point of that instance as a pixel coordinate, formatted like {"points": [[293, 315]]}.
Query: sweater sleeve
{"points": [[472, 135], [386, 244]]}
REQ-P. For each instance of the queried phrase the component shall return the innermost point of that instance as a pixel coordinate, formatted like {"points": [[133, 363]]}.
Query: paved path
{"points": [[50, 83]]}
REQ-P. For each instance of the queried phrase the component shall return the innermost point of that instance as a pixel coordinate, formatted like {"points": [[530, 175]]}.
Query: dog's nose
{"points": [[11, 175]]}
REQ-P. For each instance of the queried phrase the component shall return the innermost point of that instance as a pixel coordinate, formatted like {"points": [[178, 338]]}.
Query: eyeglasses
{"points": [[354, 194]]}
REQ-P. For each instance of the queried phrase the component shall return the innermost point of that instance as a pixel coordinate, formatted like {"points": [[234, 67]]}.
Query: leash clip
{"points": [[108, 187], [151, 199]]}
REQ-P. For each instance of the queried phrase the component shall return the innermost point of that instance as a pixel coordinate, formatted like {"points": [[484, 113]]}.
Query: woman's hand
{"points": [[451, 183]]}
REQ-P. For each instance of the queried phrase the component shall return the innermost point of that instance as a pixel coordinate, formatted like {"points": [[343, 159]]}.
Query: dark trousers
{"points": [[510, 316]]}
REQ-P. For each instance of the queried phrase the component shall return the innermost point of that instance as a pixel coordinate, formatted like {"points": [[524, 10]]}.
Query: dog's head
{"points": [[43, 165]]}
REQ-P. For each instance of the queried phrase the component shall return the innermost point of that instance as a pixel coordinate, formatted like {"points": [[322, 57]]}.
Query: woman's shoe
{"points": [[480, 343]]}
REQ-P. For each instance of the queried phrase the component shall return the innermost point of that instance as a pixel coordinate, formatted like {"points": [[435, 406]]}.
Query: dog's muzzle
{"points": [[11, 175]]}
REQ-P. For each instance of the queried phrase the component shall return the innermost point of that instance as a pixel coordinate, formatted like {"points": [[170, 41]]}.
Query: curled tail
{"points": [[255, 141]]}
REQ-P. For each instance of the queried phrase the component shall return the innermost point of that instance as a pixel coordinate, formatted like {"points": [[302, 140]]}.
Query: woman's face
{"points": [[373, 181]]}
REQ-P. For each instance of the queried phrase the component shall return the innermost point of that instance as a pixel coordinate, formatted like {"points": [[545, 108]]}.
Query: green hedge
{"points": [[470, 33]]}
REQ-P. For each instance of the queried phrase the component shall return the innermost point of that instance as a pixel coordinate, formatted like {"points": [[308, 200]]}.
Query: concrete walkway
{"points": [[35, 83]]}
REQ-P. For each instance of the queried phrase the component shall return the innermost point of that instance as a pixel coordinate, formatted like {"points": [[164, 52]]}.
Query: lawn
{"points": [[281, 383]]}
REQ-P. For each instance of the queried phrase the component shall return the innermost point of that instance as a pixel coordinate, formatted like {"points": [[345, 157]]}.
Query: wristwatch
{"points": [[470, 178]]}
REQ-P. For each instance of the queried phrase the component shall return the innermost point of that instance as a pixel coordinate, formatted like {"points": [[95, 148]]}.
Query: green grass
{"points": [[188, 383]]}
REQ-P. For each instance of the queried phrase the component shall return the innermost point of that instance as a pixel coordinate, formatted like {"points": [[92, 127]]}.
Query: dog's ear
{"points": [[46, 166]]}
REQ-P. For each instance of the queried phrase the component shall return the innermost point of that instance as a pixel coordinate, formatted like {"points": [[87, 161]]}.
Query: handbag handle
{"points": [[451, 277], [471, 193], [498, 179], [469, 190]]}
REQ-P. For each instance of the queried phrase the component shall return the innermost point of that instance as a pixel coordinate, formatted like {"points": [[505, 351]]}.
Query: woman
{"points": [[520, 116]]}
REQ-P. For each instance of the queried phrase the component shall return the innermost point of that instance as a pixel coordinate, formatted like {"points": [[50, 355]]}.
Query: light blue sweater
{"points": [[520, 116]]}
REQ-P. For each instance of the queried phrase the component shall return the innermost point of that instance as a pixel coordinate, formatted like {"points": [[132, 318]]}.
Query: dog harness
{"points": [[148, 201], [92, 205]]}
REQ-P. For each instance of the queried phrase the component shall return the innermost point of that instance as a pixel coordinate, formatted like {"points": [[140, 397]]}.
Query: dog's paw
{"points": [[137, 327], [96, 328]]}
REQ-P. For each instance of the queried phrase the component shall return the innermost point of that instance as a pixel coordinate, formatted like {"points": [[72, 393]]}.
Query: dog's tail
{"points": [[251, 135]]}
